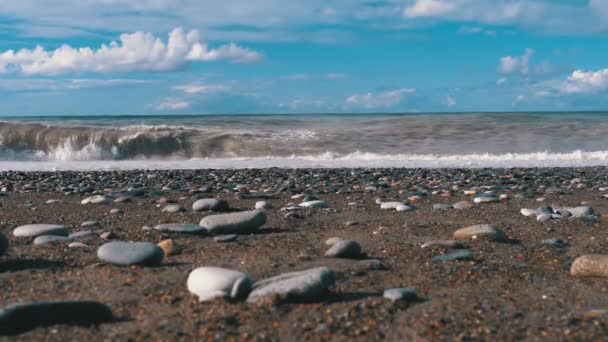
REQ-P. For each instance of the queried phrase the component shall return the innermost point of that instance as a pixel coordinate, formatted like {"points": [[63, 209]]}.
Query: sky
{"points": [[114, 57]]}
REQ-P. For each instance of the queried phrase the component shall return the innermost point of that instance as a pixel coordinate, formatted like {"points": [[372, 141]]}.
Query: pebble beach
{"points": [[305, 254]]}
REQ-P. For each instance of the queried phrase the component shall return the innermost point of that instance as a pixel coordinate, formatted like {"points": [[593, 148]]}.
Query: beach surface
{"points": [[518, 288]]}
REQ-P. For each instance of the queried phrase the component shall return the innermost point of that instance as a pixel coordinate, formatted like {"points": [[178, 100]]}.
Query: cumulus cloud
{"points": [[519, 64], [139, 51], [173, 105], [429, 8], [384, 99], [581, 82]]}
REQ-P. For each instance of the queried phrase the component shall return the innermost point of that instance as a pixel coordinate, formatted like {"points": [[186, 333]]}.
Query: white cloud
{"points": [[451, 101], [139, 51], [202, 88], [501, 81], [581, 81], [47, 85], [512, 65], [384, 99], [309, 77], [173, 105], [430, 8]]}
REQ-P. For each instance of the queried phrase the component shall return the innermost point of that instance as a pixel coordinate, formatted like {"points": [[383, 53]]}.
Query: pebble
{"points": [[245, 222], [441, 206], [44, 239], [481, 231], [209, 283], [210, 204], [77, 245], [486, 199], [591, 265], [400, 294], [348, 249], [544, 217], [404, 208], [123, 199], [528, 212], [263, 205], [173, 208], [302, 286], [464, 254], [82, 234], [52, 201], [462, 205], [107, 235], [34, 230], [97, 199], [90, 224], [314, 204], [184, 228], [391, 205], [115, 211], [130, 253], [332, 241], [169, 247], [226, 238], [555, 242], [19, 318]]}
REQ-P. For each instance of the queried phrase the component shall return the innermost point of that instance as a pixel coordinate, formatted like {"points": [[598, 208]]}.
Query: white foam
{"points": [[330, 160]]}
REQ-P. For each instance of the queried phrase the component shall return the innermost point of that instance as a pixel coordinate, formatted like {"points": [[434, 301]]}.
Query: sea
{"points": [[420, 140]]}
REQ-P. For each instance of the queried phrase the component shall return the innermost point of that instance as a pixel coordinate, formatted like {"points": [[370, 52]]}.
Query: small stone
{"points": [[464, 254], [107, 235], [554, 242], [115, 211], [591, 265], [351, 223], [82, 235], [332, 241], [314, 204], [34, 230], [544, 217], [209, 283], [303, 286], [391, 205], [486, 199], [481, 231], [123, 199], [53, 201], [579, 212], [441, 206], [169, 247], [245, 222], [400, 294], [77, 245], [184, 228], [263, 205], [90, 224], [44, 239], [226, 238], [404, 208], [97, 199], [210, 204], [348, 249], [130, 253], [528, 212], [463, 205], [173, 208], [19, 318]]}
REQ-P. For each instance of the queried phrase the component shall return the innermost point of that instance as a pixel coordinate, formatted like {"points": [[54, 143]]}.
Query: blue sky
{"points": [[277, 56]]}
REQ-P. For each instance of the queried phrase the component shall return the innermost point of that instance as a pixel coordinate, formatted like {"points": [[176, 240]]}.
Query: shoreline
{"points": [[517, 290]]}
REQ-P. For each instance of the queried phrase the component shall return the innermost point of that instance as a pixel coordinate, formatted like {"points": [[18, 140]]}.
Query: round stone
{"points": [[44, 239], [314, 204], [481, 231], [210, 204], [130, 253], [400, 294], [173, 208], [97, 199], [77, 245], [463, 205], [34, 230], [263, 205], [209, 283], [344, 249], [245, 222], [591, 265], [184, 228]]}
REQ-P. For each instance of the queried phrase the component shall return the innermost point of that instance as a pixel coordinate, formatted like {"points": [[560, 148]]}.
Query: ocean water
{"points": [[302, 141]]}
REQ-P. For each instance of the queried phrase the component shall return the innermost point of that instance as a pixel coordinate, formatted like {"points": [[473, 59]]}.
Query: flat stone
{"points": [[462, 205], [400, 294], [210, 204], [90, 224], [226, 238], [97, 199], [391, 205], [210, 283], [44, 239], [591, 265], [173, 208], [344, 249], [184, 228], [33, 230], [544, 217], [245, 222], [529, 212], [444, 243], [123, 199], [554, 242], [332, 241], [77, 245], [404, 208], [314, 204], [464, 254], [19, 318], [53, 201], [130, 253], [578, 212], [486, 199], [481, 231], [263, 205], [303, 286], [82, 235], [116, 211]]}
